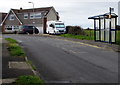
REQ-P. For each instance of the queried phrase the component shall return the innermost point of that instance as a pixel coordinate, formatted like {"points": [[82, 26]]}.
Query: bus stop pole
{"points": [[110, 26]]}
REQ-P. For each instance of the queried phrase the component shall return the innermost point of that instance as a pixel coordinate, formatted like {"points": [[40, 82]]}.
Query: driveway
{"points": [[59, 60]]}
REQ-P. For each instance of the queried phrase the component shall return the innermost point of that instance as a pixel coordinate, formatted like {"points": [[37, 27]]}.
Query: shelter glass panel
{"points": [[97, 30], [113, 23], [112, 36], [107, 24], [102, 29]]}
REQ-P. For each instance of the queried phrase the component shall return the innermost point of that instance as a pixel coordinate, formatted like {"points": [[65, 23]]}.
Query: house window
{"points": [[25, 16], [12, 17], [31, 15], [37, 15]]}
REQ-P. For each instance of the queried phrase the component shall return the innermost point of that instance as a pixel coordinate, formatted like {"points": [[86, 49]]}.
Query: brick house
{"points": [[17, 17], [2, 16]]}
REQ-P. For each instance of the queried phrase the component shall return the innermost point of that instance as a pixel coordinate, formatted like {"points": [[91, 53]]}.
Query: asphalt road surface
{"points": [[59, 60]]}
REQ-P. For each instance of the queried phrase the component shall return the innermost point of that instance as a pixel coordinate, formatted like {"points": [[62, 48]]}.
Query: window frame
{"points": [[26, 16], [38, 15], [12, 17], [32, 14]]}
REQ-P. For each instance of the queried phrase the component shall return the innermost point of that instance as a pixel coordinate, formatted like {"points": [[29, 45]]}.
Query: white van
{"points": [[55, 27]]}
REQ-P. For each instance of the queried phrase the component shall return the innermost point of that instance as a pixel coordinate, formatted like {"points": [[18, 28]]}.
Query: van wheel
{"points": [[49, 33], [54, 33]]}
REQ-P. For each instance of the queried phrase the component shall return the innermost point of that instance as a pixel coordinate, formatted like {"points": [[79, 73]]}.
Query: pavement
{"points": [[13, 67]]}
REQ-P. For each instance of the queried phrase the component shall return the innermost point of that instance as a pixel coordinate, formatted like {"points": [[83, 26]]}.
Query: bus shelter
{"points": [[105, 27]]}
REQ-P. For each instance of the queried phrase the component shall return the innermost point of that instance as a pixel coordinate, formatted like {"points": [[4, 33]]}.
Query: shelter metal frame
{"points": [[105, 27]]}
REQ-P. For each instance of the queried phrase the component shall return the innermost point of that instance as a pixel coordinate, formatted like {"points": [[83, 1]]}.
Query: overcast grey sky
{"points": [[72, 12]]}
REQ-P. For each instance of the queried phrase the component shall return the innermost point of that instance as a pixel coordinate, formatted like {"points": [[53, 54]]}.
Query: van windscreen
{"points": [[59, 25]]}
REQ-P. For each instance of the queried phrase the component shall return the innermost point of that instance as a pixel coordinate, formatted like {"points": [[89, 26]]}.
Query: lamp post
{"points": [[33, 17]]}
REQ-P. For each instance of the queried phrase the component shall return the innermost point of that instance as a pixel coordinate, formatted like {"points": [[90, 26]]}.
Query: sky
{"points": [[72, 12]]}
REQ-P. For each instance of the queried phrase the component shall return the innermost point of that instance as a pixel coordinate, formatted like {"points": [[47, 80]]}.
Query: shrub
{"points": [[118, 27], [75, 30]]}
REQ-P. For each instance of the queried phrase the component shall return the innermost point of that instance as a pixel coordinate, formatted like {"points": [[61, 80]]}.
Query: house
{"points": [[2, 16], [38, 18]]}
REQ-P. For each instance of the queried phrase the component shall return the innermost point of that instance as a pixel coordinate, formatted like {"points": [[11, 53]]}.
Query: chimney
{"points": [[21, 8]]}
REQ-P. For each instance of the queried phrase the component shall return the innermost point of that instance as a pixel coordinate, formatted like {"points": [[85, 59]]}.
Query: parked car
{"points": [[28, 29]]}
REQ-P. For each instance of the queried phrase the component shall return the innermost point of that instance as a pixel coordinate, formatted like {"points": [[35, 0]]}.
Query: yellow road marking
{"points": [[81, 43]]}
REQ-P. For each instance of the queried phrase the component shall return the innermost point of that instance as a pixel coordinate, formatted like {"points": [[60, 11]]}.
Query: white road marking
{"points": [[73, 51], [20, 41]]}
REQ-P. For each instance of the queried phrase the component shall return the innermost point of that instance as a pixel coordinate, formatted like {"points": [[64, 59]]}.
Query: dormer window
{"points": [[12, 17], [26, 16]]}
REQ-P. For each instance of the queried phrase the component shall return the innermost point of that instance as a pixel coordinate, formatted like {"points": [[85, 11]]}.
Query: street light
{"points": [[33, 16]]}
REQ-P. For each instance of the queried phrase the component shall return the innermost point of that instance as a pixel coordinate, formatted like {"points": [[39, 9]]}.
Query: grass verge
{"points": [[118, 37], [89, 35], [11, 40], [14, 48], [82, 37], [29, 80]]}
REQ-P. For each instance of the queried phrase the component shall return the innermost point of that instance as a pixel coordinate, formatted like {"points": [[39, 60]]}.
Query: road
{"points": [[60, 60]]}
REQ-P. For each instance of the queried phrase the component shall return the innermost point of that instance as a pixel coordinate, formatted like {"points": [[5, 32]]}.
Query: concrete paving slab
{"points": [[8, 81], [19, 65]]}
